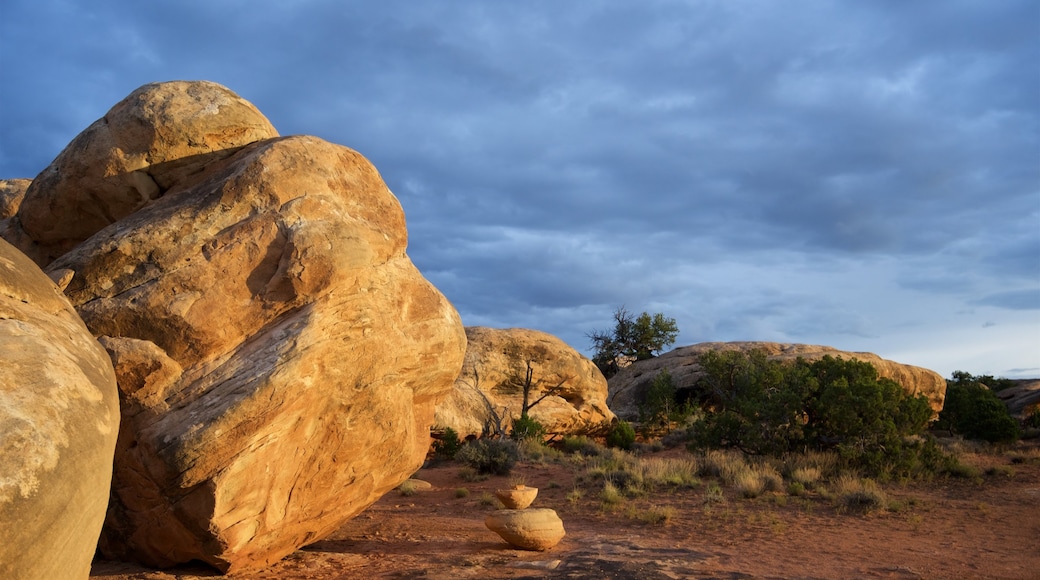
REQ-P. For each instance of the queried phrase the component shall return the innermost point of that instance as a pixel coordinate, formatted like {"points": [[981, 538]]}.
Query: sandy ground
{"points": [[945, 529]]}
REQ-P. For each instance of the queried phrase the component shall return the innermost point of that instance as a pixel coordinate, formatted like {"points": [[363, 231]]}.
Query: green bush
{"points": [[524, 428], [489, 456], [660, 406], [973, 411], [621, 435], [765, 407], [448, 445]]}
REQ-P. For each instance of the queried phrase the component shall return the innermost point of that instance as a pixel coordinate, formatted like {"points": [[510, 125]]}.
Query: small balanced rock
{"points": [[517, 498], [528, 529]]}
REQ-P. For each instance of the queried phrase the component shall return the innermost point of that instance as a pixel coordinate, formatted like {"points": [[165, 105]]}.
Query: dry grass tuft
{"points": [[859, 495], [749, 482]]}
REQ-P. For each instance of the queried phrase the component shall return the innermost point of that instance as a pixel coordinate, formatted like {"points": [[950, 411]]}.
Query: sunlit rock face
{"points": [[628, 387], [157, 138], [278, 356], [489, 389], [59, 416]]}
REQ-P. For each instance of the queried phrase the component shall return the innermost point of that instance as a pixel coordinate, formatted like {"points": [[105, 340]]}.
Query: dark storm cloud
{"points": [[757, 169]]}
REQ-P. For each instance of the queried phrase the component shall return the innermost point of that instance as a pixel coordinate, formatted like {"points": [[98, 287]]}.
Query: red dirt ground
{"points": [[945, 529]]}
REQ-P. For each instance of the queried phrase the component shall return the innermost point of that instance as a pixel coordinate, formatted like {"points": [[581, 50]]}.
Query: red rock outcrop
{"points": [[278, 355], [59, 415], [489, 387], [628, 386]]}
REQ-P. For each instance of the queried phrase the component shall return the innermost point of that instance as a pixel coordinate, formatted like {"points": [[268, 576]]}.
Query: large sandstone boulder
{"points": [[489, 389], [59, 415], [1022, 399], [12, 192], [628, 387], [278, 355], [161, 135]]}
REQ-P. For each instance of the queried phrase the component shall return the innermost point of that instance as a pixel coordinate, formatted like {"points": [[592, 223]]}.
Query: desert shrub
{"points": [[489, 456], [1005, 471], [621, 435], [534, 450], [974, 411], [765, 407], [525, 427], [461, 492], [408, 488], [821, 463], [1029, 456], [581, 445], [574, 496], [713, 494], [805, 476], [861, 495], [611, 494], [962, 470], [447, 445], [771, 478], [652, 514], [676, 472], [721, 463], [749, 483], [489, 500], [471, 475], [796, 488]]}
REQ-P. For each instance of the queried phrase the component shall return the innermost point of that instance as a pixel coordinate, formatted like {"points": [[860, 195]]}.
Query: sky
{"points": [[863, 175]]}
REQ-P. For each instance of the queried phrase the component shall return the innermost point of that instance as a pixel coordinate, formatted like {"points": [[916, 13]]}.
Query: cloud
{"points": [[828, 172], [1013, 300]]}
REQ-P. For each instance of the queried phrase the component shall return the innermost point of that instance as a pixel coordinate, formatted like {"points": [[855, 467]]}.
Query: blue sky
{"points": [[863, 175]]}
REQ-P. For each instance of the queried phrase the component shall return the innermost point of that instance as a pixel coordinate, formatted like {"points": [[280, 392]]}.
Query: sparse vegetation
{"points": [[860, 495], [714, 494], [749, 483], [574, 495], [534, 450], [489, 500], [489, 456], [408, 488], [461, 493], [610, 495], [582, 445]]}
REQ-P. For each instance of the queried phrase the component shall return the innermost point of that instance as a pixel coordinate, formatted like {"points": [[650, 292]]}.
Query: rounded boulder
{"points": [[530, 529]]}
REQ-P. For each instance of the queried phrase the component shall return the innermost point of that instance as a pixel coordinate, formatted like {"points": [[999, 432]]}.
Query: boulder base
{"points": [[530, 529]]}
